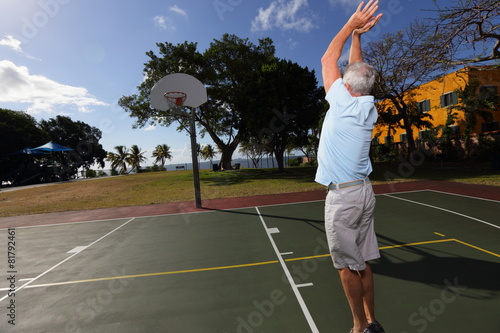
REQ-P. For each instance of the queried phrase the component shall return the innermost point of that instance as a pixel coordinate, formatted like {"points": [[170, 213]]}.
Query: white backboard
{"points": [[195, 90]]}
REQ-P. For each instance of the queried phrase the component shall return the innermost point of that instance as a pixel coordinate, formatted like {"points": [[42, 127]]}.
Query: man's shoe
{"points": [[375, 327]]}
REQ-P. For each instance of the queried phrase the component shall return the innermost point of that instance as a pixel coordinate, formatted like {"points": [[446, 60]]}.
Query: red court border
{"points": [[478, 191]]}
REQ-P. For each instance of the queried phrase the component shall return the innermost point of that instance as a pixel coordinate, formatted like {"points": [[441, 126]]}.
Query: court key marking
{"points": [[68, 258], [248, 265], [305, 310]]}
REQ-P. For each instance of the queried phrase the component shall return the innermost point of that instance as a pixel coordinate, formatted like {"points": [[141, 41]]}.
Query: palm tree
{"points": [[208, 153], [135, 157], [119, 159], [162, 153]]}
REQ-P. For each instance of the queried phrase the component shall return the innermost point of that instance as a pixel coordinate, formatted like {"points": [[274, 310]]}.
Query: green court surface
{"points": [[257, 269]]}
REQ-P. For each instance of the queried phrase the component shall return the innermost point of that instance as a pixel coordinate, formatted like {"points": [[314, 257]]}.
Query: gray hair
{"points": [[361, 77]]}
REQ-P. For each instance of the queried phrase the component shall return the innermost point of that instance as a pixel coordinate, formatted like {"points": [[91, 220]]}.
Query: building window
{"points": [[424, 106], [424, 135], [388, 139], [403, 137], [375, 141], [449, 99]]}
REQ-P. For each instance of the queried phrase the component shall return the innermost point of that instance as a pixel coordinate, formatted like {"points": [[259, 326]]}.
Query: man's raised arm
{"points": [[356, 55], [359, 20]]}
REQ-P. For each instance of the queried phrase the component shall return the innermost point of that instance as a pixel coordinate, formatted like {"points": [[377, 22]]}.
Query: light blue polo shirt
{"points": [[346, 135]]}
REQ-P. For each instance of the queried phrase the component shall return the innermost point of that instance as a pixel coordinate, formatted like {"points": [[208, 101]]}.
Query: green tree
{"points": [[208, 153], [18, 130], [81, 137], [119, 159], [387, 117], [225, 68], [476, 104], [254, 149], [135, 158], [288, 106], [161, 154]]}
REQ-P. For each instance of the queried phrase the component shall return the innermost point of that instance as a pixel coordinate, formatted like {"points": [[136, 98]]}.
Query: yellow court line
{"points": [[306, 258], [477, 248], [153, 274], [252, 264], [380, 248], [437, 233], [418, 243]]}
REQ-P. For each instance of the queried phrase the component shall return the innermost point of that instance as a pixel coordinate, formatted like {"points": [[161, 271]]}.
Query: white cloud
{"points": [[150, 128], [14, 44], [11, 43], [181, 155], [178, 10], [164, 23], [285, 15], [17, 85]]}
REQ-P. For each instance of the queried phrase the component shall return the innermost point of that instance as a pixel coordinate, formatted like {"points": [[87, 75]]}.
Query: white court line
{"points": [[444, 210], [305, 285], [465, 196], [295, 289], [68, 258], [187, 213], [273, 230]]}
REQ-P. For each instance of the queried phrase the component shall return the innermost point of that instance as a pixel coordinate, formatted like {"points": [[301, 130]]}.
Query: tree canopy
{"points": [[19, 130], [237, 86], [287, 107], [79, 136]]}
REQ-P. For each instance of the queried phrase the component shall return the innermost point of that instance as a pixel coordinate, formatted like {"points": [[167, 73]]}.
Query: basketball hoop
{"points": [[175, 98]]}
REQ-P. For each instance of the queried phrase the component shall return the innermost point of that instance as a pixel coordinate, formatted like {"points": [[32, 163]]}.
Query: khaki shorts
{"points": [[350, 227]]}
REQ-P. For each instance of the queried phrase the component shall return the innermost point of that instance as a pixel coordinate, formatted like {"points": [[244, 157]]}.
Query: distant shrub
{"points": [[90, 173]]}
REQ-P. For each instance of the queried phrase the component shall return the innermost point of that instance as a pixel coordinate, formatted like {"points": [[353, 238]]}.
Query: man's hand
{"points": [[360, 22], [363, 18], [368, 26], [365, 15]]}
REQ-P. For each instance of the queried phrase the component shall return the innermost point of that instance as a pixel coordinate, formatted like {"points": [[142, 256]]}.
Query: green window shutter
{"points": [[441, 98], [427, 105], [454, 98]]}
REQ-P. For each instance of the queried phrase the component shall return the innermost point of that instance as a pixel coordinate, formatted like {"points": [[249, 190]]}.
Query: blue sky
{"points": [[78, 57]]}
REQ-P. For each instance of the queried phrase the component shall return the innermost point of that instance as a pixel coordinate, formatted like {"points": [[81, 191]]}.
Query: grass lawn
{"points": [[176, 186]]}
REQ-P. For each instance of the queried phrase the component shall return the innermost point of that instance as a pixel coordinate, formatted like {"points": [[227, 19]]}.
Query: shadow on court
{"points": [[475, 278], [311, 222]]}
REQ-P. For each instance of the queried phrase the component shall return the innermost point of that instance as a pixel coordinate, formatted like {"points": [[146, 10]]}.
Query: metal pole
{"points": [[194, 157]]}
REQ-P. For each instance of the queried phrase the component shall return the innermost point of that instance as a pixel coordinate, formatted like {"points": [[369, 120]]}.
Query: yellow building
{"points": [[438, 96]]}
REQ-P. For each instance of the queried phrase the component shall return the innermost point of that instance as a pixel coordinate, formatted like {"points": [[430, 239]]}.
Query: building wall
{"points": [[433, 92]]}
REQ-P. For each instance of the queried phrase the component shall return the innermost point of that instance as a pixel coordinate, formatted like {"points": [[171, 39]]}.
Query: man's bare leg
{"points": [[354, 291], [369, 295]]}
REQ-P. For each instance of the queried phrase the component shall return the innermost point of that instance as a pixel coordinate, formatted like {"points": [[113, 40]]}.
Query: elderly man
{"points": [[344, 166]]}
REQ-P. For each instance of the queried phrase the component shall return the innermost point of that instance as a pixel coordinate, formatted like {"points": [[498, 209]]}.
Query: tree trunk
{"points": [[403, 111], [409, 132], [279, 153], [227, 155]]}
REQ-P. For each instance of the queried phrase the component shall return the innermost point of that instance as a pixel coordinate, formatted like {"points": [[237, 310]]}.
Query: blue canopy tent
{"points": [[47, 170], [29, 151], [52, 147]]}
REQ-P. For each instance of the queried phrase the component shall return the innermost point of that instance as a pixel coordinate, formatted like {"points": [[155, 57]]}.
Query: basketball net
{"points": [[175, 98]]}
